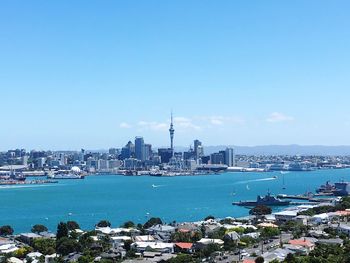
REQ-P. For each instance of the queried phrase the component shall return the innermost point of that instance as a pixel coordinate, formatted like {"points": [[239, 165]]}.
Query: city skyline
{"points": [[234, 73]]}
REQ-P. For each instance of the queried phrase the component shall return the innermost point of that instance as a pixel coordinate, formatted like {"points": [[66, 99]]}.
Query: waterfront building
{"points": [[102, 165], [198, 149], [130, 163], [229, 157], [165, 154], [147, 151], [140, 148], [217, 158], [127, 151]]}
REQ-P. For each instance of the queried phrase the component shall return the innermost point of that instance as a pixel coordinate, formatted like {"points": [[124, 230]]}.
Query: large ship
{"points": [[74, 173], [327, 188], [267, 200]]}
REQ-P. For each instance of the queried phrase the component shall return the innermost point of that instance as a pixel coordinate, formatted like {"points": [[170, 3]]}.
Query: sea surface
{"points": [[120, 198]]}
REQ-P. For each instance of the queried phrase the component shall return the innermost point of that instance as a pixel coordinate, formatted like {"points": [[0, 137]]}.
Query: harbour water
{"points": [[121, 198]]}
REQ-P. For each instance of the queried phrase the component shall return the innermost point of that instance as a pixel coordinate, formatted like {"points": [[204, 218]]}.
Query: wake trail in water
{"points": [[256, 180], [24, 186]]}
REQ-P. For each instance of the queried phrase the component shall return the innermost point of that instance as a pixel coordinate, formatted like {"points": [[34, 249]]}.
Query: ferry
{"points": [[74, 173], [267, 200]]}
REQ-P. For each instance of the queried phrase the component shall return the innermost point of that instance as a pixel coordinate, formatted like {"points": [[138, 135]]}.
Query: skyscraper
{"points": [[172, 131], [229, 157], [198, 149], [139, 148]]}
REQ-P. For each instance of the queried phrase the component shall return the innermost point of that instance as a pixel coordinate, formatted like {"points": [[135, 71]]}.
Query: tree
{"points": [[67, 245], [6, 230], [269, 232], [62, 230], [260, 210], [104, 223], [128, 224], [152, 222], [259, 260], [209, 217], [39, 228], [46, 246], [72, 225], [182, 258]]}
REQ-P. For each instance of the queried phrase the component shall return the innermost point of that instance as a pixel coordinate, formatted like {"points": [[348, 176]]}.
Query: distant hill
{"points": [[293, 149]]}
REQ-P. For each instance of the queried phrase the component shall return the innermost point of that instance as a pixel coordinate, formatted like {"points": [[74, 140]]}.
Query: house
{"points": [[207, 241], [344, 228], [331, 241], [182, 247], [14, 260], [118, 241], [155, 246], [145, 238], [303, 219], [285, 216], [162, 231], [320, 218], [303, 242], [280, 254], [232, 235], [50, 258], [8, 248], [28, 237]]}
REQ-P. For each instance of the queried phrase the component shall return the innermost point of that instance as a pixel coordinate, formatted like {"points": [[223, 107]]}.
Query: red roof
{"points": [[183, 245], [301, 242], [249, 261]]}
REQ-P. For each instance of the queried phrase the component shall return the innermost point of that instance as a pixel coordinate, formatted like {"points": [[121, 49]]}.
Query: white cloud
{"points": [[152, 125], [185, 124], [279, 117], [124, 125], [218, 120]]}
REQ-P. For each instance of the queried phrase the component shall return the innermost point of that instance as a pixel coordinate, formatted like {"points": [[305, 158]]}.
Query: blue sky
{"points": [[95, 74]]}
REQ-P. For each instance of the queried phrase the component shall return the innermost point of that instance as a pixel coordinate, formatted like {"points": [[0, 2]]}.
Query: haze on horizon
{"points": [[97, 74]]}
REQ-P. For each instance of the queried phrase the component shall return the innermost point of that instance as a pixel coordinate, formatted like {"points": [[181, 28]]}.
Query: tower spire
{"points": [[172, 131]]}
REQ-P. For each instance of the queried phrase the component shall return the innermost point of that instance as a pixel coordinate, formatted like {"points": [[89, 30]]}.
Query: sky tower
{"points": [[171, 131]]}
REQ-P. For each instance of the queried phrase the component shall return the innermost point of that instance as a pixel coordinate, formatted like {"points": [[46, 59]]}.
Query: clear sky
{"points": [[95, 74]]}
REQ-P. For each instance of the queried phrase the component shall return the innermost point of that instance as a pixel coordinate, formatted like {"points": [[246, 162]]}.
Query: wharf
{"points": [[310, 198]]}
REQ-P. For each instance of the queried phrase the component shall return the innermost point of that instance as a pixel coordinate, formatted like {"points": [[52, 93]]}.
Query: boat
{"points": [[327, 188], [74, 173], [66, 176], [268, 200]]}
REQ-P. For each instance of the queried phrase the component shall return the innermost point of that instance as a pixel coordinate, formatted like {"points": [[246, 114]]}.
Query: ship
{"points": [[268, 200], [66, 176], [327, 188], [74, 173]]}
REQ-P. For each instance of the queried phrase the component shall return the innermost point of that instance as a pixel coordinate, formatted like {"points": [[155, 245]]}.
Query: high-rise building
{"points": [[139, 148], [172, 131], [217, 158], [165, 154], [147, 151], [198, 149], [229, 157]]}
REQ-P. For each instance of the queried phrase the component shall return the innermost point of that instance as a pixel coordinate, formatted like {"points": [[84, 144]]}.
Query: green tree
{"points": [[128, 224], [72, 225], [62, 230], [67, 245], [269, 232], [152, 222], [46, 246], [6, 230], [259, 260], [39, 228], [182, 258], [260, 210], [104, 223]]}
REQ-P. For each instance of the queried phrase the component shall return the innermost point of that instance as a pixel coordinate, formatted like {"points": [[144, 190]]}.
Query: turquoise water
{"points": [[121, 198]]}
